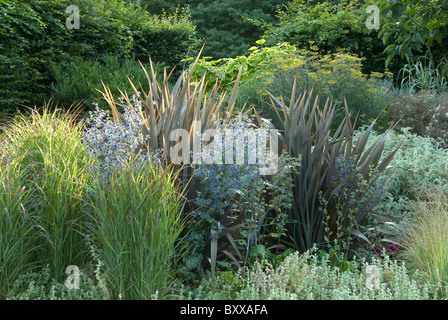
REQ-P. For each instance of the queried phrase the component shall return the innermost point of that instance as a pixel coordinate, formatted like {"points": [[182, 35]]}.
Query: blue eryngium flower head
{"points": [[112, 142]]}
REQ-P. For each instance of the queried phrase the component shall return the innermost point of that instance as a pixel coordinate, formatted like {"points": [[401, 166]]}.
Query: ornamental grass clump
{"points": [[16, 229], [425, 239], [135, 222], [46, 152]]}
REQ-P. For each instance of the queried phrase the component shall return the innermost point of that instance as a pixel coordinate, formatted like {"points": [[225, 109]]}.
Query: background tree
{"points": [[330, 26], [229, 27], [415, 29]]}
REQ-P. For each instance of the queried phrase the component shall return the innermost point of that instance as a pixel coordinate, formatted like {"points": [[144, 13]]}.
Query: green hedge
{"points": [[26, 42], [33, 36]]}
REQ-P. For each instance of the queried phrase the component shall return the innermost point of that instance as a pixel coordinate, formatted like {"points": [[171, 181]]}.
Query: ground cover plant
{"points": [[161, 190], [312, 277]]}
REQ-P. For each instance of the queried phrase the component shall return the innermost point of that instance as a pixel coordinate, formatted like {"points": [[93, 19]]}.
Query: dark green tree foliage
{"points": [[231, 27], [159, 7], [415, 29], [126, 30], [330, 25], [28, 35], [33, 34]]}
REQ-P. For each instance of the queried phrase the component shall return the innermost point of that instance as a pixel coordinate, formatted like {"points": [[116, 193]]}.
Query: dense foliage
{"points": [[231, 27], [331, 26], [275, 69], [425, 112], [33, 35], [244, 177], [28, 36], [228, 27], [81, 80], [414, 29]]}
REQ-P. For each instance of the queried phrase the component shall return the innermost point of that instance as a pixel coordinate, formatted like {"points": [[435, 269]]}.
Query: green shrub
{"points": [[230, 27], [29, 36], [80, 80], [415, 29], [136, 219], [257, 60], [167, 39], [274, 69], [124, 29], [337, 77], [330, 26], [160, 6], [33, 35], [425, 113]]}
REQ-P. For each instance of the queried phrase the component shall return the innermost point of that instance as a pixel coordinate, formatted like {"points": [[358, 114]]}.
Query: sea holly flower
{"points": [[113, 143]]}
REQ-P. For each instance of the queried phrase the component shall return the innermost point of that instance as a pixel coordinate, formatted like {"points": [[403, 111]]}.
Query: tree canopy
{"points": [[416, 28]]}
